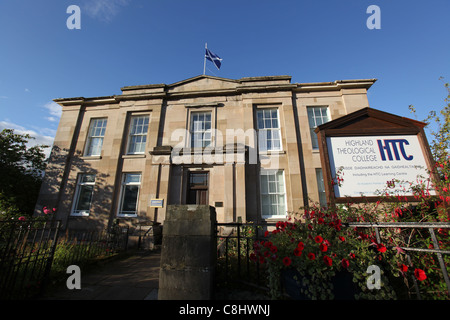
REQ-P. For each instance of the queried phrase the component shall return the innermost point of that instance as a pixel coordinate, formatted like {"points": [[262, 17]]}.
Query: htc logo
{"points": [[393, 148]]}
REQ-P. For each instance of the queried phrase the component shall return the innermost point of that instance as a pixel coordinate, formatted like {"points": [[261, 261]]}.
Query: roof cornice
{"points": [[243, 85]]}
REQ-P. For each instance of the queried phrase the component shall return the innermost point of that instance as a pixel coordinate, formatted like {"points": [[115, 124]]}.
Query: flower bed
{"points": [[318, 245]]}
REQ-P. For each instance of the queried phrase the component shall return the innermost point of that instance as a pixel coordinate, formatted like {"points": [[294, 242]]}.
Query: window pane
{"points": [[83, 194], [85, 198], [316, 117], [264, 184], [133, 178], [200, 129], [138, 134], [269, 137], [130, 194], [274, 114], [281, 205], [321, 187], [272, 193], [130, 199], [95, 137], [95, 146]]}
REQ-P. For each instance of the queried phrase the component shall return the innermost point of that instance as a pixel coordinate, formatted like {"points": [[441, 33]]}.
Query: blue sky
{"points": [[134, 42]]}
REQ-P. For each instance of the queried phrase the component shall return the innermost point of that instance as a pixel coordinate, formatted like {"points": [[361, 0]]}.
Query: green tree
{"points": [[21, 171]]}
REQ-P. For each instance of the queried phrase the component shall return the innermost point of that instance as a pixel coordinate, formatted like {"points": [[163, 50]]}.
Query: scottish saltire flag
{"points": [[213, 58]]}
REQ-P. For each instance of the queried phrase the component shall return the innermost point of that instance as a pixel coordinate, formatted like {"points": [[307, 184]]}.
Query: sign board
{"points": [[156, 203], [368, 163], [373, 152]]}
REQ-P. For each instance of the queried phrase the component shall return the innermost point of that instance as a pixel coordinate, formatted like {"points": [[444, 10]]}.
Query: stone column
{"points": [[188, 254]]}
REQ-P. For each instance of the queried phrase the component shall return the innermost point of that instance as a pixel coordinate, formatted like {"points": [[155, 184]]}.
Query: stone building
{"points": [[246, 147]]}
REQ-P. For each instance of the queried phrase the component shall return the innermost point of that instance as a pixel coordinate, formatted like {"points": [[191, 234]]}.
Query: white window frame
{"points": [[124, 184], [265, 128], [93, 134], [80, 185], [193, 130], [276, 194], [131, 146], [315, 121]]}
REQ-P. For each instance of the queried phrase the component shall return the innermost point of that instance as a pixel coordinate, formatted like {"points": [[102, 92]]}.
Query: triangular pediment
{"points": [[369, 121], [202, 83]]}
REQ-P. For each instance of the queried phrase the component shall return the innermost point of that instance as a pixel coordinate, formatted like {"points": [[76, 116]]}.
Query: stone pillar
{"points": [[188, 254]]}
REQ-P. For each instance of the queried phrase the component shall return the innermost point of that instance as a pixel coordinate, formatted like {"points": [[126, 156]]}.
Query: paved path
{"points": [[132, 278]]}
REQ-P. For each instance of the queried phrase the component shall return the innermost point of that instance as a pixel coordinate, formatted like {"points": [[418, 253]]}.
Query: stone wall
{"points": [[188, 253]]}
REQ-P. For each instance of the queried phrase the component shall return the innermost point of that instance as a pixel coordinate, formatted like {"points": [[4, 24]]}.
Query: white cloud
{"points": [[52, 119], [55, 111], [104, 10]]}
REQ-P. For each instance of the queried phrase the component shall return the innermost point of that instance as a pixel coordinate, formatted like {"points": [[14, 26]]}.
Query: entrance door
{"points": [[198, 188]]}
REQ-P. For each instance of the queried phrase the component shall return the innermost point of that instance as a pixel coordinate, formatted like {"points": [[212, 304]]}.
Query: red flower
{"points": [[345, 263], [22, 218], [266, 234], [301, 245], [320, 221], [318, 239], [323, 247], [341, 238], [351, 255], [381, 248], [273, 249], [268, 244], [403, 268], [311, 256], [287, 261], [420, 274], [327, 261], [297, 252]]}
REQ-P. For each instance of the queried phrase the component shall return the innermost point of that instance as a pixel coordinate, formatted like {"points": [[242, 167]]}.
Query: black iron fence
{"points": [[32, 251], [235, 246], [26, 254], [80, 246]]}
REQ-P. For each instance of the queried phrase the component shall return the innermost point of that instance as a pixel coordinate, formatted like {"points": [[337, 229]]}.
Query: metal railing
{"points": [[26, 253], [238, 267], [240, 242], [429, 226], [80, 246], [31, 251]]}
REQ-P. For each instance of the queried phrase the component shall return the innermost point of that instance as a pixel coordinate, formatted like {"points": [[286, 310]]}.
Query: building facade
{"points": [[246, 147]]}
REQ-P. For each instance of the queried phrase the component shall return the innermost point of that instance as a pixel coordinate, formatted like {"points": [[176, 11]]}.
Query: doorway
{"points": [[197, 192]]}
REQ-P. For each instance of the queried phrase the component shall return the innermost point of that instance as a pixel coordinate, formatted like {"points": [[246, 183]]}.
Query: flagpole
{"points": [[204, 59]]}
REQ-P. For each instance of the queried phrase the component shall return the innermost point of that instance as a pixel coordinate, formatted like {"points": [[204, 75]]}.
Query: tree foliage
{"points": [[21, 170], [440, 142]]}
